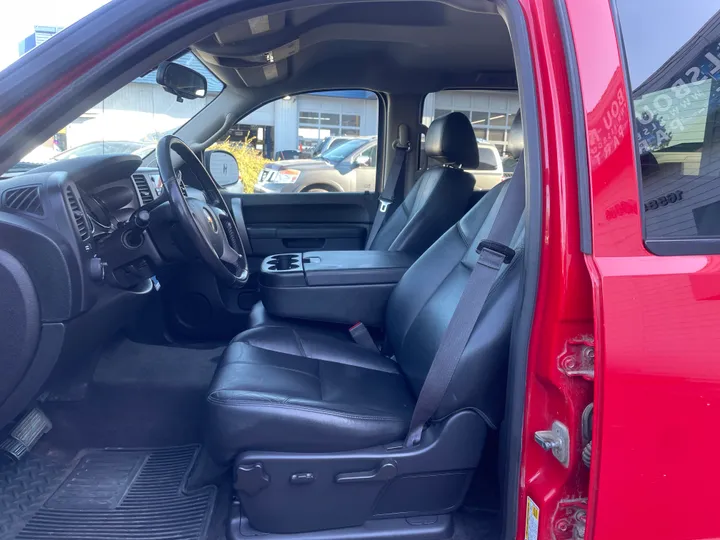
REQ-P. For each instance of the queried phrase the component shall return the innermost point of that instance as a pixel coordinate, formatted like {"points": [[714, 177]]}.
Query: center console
{"points": [[332, 286]]}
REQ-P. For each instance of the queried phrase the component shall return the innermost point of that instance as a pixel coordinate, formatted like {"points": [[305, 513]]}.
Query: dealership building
{"points": [[299, 122]]}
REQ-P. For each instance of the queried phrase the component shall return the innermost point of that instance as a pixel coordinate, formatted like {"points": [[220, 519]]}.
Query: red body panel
{"points": [[656, 328], [564, 297]]}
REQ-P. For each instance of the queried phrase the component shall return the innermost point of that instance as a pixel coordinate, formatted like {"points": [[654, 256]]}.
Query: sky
{"points": [[20, 16], [655, 29]]}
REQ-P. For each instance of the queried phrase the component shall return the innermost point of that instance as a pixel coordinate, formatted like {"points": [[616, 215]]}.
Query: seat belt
{"points": [[360, 335], [493, 253], [401, 146]]}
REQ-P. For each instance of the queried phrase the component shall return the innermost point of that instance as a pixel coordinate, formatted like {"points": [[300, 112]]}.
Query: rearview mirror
{"points": [[181, 81], [223, 167]]}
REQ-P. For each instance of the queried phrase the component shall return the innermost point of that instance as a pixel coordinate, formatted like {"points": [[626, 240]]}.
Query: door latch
{"points": [[557, 440]]}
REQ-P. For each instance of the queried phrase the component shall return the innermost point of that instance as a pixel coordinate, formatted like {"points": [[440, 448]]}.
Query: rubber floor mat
{"points": [[124, 494]]}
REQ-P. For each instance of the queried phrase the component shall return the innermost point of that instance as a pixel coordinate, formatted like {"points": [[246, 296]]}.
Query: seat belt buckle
{"points": [[362, 337], [502, 252], [384, 204]]}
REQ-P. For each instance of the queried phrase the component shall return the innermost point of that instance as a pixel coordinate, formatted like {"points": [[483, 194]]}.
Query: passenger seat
{"points": [[441, 195], [436, 202]]}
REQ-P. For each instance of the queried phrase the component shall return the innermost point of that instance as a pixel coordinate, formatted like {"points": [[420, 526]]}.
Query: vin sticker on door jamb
{"points": [[532, 520]]}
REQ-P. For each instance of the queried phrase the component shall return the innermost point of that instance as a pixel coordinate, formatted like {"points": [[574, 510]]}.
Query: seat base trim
{"points": [[433, 527], [290, 493]]}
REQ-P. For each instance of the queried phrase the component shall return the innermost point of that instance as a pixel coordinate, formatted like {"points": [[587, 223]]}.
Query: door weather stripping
{"points": [[557, 440]]}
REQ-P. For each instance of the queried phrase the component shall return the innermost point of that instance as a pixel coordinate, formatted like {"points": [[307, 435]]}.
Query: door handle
{"points": [[386, 471]]}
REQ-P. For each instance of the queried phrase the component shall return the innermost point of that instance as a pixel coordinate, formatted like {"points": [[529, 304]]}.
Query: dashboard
{"points": [[69, 279], [76, 262], [76, 221]]}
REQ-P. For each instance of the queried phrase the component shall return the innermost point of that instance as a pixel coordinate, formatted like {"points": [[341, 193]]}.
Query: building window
{"points": [[315, 126], [490, 112]]}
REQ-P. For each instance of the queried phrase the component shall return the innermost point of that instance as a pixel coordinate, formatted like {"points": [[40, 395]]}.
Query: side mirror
{"points": [[362, 161], [223, 167], [181, 81]]}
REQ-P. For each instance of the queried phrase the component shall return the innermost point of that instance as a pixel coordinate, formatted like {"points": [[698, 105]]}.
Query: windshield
{"points": [[337, 154], [130, 121]]}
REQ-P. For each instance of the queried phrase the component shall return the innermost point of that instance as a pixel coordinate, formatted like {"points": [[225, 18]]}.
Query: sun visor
{"points": [[251, 28], [264, 74]]}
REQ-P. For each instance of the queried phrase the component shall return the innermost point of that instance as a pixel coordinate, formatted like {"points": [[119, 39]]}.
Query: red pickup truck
{"points": [[420, 360]]}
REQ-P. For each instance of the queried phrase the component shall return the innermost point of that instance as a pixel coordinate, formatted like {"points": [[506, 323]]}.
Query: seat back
{"points": [[424, 300], [441, 195]]}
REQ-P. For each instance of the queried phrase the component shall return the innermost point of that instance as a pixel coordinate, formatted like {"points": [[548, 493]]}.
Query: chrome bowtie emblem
{"points": [[211, 220]]}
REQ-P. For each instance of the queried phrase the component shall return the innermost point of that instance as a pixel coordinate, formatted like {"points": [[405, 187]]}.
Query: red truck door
{"points": [[649, 79]]}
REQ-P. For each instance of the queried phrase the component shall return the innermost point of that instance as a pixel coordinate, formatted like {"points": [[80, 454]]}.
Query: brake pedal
{"points": [[25, 434]]}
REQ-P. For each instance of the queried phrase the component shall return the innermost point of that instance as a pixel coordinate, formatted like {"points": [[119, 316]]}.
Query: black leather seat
{"points": [[301, 390], [440, 196], [297, 390], [436, 202]]}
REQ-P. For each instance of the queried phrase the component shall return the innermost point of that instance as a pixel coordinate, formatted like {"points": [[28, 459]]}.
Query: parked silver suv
{"points": [[351, 166]]}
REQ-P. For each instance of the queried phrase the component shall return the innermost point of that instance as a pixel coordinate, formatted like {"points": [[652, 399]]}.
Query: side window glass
{"points": [[305, 143], [675, 84], [491, 113]]}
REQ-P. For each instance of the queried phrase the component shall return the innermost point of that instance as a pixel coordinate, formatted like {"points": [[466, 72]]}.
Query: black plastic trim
{"points": [[683, 246], [417, 528], [512, 429], [579, 130]]}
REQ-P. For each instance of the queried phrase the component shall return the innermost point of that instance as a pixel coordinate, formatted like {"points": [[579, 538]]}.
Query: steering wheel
{"points": [[209, 226]]}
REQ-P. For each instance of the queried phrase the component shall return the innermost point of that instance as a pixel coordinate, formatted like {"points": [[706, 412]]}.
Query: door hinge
{"points": [[570, 518], [578, 358], [557, 440]]}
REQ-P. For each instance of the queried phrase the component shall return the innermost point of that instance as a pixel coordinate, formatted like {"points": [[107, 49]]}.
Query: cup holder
{"points": [[284, 263]]}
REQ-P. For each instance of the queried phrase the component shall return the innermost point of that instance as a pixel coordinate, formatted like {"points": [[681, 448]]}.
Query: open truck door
{"points": [[648, 78]]}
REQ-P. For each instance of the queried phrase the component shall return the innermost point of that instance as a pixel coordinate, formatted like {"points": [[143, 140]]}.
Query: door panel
{"points": [[284, 238], [292, 222], [281, 223], [553, 486]]}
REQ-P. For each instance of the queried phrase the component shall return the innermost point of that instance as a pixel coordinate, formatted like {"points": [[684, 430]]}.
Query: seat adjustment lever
{"points": [[386, 471]]}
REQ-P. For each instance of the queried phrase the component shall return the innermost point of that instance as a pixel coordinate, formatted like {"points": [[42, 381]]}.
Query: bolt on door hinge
{"points": [[578, 358], [557, 440], [569, 520]]}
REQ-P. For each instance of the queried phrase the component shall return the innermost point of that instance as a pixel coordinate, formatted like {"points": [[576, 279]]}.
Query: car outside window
{"points": [[488, 159], [674, 79], [371, 156], [343, 151], [313, 138], [336, 142], [131, 120]]}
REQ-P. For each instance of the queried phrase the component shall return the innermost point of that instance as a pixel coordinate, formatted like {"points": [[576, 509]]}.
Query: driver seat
{"points": [[315, 424]]}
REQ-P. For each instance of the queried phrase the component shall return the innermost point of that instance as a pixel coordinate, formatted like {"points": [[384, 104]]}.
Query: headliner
{"points": [[408, 46]]}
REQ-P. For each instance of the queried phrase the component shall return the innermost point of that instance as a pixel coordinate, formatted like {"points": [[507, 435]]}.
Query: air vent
{"points": [[24, 199], [183, 189], [77, 214], [143, 187]]}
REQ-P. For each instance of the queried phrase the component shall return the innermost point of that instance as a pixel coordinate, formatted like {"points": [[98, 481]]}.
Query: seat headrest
{"points": [[450, 139], [516, 140]]}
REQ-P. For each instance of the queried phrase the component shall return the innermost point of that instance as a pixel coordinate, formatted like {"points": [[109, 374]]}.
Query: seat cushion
{"points": [[259, 316], [298, 390]]}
